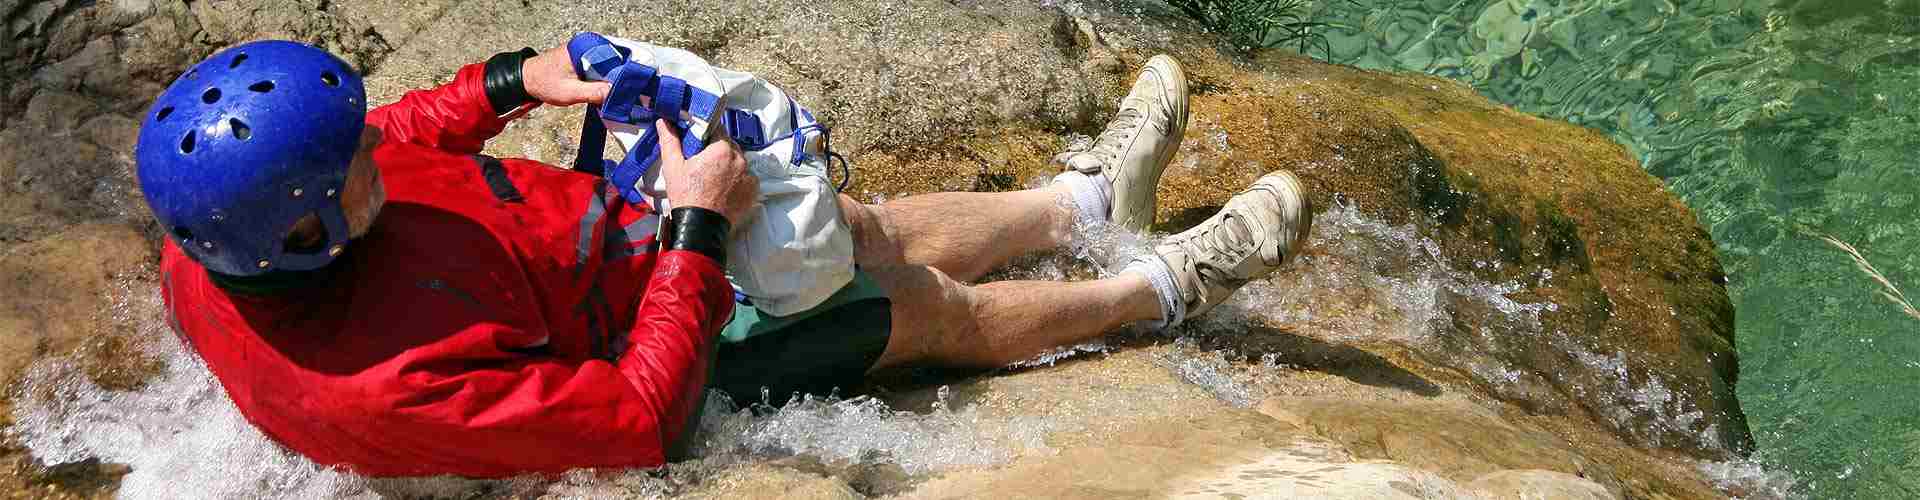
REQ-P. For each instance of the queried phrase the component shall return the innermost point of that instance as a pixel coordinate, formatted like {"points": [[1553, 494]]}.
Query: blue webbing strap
{"points": [[593, 143], [744, 128], [593, 56], [630, 82], [626, 175], [596, 58]]}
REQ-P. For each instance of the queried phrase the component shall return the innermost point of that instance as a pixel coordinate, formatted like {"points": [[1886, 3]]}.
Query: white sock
{"points": [[1091, 195], [1159, 275]]}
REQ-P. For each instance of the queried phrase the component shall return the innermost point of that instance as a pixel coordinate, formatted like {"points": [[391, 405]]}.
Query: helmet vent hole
{"points": [[186, 144], [261, 87], [307, 236], [210, 96], [330, 79], [236, 61], [163, 114], [183, 233], [240, 129]]}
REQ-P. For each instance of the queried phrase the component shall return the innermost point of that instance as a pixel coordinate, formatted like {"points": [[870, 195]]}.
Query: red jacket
{"points": [[502, 317]]}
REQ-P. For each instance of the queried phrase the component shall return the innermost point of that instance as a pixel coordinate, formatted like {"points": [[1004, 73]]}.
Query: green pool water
{"points": [[1777, 121]]}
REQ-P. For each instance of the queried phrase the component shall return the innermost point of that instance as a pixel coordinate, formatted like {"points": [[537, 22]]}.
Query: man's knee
{"points": [[933, 315], [872, 247]]}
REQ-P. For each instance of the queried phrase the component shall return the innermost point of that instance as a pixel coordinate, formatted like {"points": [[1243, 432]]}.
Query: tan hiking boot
{"points": [[1136, 146], [1259, 230]]}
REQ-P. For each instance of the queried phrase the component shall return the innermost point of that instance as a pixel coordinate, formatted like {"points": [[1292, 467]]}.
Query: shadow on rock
{"points": [[1253, 344], [1185, 218], [1308, 353]]}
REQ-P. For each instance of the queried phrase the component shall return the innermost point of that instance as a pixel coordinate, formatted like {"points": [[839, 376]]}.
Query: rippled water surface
{"points": [[1779, 122]]}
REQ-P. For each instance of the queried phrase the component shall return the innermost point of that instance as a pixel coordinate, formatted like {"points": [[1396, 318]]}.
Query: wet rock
{"points": [[52, 290], [229, 22], [50, 181], [59, 113], [1624, 380], [890, 74], [1458, 441], [396, 20], [112, 132], [768, 482], [1117, 437], [34, 20], [1526, 484]]}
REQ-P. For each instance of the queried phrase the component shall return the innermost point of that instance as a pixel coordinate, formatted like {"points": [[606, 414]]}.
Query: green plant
{"points": [[1260, 23], [1887, 290]]}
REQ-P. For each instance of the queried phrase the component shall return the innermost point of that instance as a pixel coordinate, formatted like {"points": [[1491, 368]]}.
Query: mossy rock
{"points": [[929, 96], [1633, 272]]}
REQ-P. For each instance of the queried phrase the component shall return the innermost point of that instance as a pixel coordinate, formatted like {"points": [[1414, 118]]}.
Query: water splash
{"points": [[1213, 371], [1750, 480], [1639, 403], [179, 432], [864, 430], [184, 438], [1059, 354], [1363, 279]]}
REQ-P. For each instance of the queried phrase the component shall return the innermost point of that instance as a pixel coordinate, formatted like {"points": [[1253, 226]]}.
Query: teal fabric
{"points": [[749, 322]]}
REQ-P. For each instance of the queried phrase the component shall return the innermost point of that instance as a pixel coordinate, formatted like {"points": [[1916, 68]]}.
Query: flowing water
{"points": [[1778, 121], [1363, 279], [1781, 123]]}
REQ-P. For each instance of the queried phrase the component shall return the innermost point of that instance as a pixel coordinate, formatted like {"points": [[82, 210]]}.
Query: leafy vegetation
{"points": [[1260, 23]]}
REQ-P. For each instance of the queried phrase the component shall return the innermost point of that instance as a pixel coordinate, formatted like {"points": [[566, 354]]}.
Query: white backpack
{"points": [[796, 250]]}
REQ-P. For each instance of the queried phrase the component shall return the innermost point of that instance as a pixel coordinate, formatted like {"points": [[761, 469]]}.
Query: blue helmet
{"points": [[244, 145]]}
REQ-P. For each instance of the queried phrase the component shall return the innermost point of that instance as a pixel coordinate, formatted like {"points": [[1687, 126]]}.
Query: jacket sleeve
{"points": [[454, 117], [522, 414]]}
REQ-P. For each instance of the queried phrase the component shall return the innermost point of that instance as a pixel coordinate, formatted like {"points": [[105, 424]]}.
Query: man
{"points": [[375, 294]]}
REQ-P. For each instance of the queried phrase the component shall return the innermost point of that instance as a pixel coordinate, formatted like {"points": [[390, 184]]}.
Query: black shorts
{"points": [[823, 353]]}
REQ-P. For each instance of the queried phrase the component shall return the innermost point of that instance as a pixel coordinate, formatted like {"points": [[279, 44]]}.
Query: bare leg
{"points": [[938, 320], [964, 235]]}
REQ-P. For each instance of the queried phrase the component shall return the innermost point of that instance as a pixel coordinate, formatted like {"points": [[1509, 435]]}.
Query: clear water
{"points": [[1362, 279], [1773, 119], [1778, 121]]}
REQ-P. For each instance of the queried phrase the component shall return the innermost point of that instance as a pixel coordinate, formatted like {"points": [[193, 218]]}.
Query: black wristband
{"points": [[505, 87], [700, 231]]}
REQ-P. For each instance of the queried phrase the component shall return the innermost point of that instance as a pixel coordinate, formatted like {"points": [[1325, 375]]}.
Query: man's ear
{"points": [[370, 137]]}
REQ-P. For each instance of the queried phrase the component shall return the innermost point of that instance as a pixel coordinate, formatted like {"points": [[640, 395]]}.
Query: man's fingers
{"points": [[669, 141], [594, 92]]}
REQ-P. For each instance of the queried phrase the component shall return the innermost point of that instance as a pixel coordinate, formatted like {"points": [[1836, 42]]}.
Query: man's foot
{"points": [[1136, 146], [1259, 230]]}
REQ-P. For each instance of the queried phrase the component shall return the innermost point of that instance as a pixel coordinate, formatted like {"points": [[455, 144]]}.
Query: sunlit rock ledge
{"points": [[1493, 305]]}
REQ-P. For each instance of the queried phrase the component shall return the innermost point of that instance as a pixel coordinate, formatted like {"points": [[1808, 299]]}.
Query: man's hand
{"points": [[717, 179], [550, 79]]}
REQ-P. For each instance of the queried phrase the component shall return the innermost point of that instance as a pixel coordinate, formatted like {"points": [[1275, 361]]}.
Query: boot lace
{"points": [[1220, 249], [1114, 139]]}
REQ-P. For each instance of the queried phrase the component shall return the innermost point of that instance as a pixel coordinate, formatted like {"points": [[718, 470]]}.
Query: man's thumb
{"points": [[592, 92], [669, 141]]}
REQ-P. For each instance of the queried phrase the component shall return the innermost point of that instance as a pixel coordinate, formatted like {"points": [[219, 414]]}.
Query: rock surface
{"points": [[1494, 305]]}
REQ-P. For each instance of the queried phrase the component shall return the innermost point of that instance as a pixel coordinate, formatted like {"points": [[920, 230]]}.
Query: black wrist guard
{"points": [[505, 88], [701, 231]]}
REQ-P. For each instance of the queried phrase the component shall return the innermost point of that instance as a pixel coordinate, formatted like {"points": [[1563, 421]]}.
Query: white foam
{"points": [[1213, 371], [1064, 353], [864, 430], [1364, 279], [1750, 480], [179, 432], [1639, 403], [183, 437]]}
